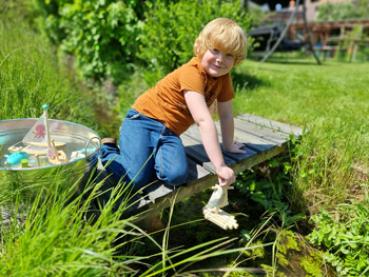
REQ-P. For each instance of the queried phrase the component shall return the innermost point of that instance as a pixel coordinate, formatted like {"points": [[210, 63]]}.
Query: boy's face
{"points": [[217, 63]]}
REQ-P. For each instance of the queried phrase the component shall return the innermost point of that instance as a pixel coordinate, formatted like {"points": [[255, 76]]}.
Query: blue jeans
{"points": [[147, 151]]}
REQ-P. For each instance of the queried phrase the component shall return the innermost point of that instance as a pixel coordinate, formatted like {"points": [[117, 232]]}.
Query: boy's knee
{"points": [[175, 176]]}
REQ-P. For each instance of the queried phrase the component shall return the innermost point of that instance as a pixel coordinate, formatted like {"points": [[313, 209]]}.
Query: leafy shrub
{"points": [[101, 34], [342, 11], [269, 186], [345, 238], [170, 29], [108, 36]]}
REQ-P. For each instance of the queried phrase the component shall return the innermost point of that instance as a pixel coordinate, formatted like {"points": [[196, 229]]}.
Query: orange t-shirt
{"points": [[165, 102]]}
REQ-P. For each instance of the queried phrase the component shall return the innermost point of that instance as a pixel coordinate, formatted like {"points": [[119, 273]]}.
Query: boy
{"points": [[150, 146]]}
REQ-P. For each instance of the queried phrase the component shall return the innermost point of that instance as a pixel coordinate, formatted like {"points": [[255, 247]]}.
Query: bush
{"points": [[170, 29], [344, 238], [102, 35], [343, 11], [108, 37]]}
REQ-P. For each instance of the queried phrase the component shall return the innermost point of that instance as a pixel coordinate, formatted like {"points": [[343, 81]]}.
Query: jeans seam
{"points": [[161, 158]]}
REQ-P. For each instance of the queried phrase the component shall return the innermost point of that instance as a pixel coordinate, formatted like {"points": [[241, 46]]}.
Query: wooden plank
{"points": [[261, 131], [272, 124], [230, 158], [246, 133], [196, 151], [252, 141]]}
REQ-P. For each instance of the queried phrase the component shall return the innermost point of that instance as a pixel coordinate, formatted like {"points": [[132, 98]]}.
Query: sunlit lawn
{"points": [[329, 101]]}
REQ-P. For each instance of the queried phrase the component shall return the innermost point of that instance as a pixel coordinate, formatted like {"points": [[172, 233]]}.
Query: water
{"points": [[73, 151], [73, 142]]}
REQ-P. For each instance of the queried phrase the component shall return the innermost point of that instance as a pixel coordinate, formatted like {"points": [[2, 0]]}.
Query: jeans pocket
{"points": [[132, 114]]}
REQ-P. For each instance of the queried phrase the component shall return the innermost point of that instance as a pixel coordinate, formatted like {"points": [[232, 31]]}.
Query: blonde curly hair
{"points": [[223, 34]]}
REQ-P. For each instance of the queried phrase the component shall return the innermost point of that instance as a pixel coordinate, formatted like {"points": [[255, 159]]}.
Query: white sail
{"points": [[37, 135], [38, 139], [41, 133]]}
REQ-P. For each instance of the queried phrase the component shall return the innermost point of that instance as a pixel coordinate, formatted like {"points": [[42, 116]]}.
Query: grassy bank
{"points": [[329, 101], [30, 76]]}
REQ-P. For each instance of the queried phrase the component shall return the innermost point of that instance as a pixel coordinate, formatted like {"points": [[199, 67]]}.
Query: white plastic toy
{"points": [[213, 212], [38, 144]]}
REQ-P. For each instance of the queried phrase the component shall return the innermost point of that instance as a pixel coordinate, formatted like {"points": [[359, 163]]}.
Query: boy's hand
{"points": [[236, 147], [226, 175]]}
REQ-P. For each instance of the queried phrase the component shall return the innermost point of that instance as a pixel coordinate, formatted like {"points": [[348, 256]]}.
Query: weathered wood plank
{"points": [[272, 124], [261, 131], [229, 158], [196, 150], [253, 142]]}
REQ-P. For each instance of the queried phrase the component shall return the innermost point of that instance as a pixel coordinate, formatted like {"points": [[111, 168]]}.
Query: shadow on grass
{"points": [[247, 81]]}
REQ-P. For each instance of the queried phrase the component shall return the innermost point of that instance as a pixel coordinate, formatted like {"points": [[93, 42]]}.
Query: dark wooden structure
{"points": [[329, 37], [328, 31], [263, 138]]}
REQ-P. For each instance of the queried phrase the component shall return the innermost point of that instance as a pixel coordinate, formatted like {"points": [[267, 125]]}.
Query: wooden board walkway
{"points": [[263, 138]]}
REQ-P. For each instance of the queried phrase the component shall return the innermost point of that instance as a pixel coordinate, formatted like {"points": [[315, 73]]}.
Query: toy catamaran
{"points": [[213, 212], [37, 144]]}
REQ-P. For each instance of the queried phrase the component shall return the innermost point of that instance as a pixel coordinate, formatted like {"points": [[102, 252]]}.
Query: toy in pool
{"points": [[47, 143], [38, 145], [16, 158]]}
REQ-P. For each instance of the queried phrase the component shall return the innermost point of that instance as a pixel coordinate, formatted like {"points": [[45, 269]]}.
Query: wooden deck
{"points": [[264, 139]]}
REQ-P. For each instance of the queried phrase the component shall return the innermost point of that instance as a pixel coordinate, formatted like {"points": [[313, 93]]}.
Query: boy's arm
{"points": [[202, 117], [227, 127]]}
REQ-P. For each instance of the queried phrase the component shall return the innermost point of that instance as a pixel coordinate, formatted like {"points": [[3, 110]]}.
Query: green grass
{"points": [[330, 103], [30, 76]]}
